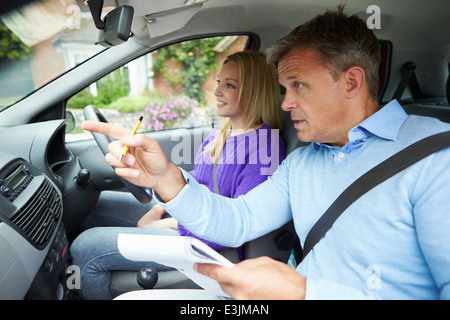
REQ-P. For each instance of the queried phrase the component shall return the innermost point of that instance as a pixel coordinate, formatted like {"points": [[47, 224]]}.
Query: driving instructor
{"points": [[392, 243]]}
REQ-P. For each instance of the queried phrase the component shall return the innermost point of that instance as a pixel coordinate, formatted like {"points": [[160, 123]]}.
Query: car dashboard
{"points": [[33, 241]]}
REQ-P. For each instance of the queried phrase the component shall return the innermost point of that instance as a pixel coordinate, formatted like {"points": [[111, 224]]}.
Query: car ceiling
{"points": [[182, 18]]}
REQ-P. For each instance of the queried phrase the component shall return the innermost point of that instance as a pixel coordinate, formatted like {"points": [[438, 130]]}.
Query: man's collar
{"points": [[385, 123]]}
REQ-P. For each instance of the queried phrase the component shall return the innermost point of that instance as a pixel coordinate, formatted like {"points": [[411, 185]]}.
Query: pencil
{"points": [[125, 148]]}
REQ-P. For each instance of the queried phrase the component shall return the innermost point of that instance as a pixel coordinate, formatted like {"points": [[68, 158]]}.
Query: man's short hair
{"points": [[340, 40]]}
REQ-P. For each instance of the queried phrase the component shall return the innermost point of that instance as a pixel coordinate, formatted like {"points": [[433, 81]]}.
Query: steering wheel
{"points": [[92, 113]]}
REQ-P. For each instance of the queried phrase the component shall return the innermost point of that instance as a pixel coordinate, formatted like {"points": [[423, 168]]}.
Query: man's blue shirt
{"points": [[392, 243]]}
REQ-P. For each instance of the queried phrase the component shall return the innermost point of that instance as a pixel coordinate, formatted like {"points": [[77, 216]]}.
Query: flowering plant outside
{"points": [[163, 113]]}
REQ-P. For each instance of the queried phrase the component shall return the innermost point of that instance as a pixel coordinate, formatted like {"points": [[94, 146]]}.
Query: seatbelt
{"points": [[372, 178], [409, 77], [447, 85], [216, 188]]}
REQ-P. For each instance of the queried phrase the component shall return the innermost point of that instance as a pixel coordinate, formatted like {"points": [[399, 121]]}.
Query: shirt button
{"points": [[341, 154]]}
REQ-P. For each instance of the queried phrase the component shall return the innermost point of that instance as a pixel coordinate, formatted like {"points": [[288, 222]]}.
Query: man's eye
{"points": [[298, 85]]}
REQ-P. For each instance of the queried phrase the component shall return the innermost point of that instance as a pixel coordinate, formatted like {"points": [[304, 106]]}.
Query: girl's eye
{"points": [[229, 85]]}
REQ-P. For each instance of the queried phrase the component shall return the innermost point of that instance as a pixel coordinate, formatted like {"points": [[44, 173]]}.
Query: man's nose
{"points": [[288, 102]]}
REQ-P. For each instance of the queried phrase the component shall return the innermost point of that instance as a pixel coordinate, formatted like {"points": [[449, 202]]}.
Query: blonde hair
{"points": [[259, 97]]}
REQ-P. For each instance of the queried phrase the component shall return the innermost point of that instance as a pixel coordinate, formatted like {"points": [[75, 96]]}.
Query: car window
{"points": [[39, 42], [172, 87]]}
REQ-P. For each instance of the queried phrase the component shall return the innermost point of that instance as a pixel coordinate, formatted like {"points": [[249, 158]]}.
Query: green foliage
{"points": [[122, 104], [11, 47], [110, 88], [129, 103], [81, 100], [194, 59], [113, 86]]}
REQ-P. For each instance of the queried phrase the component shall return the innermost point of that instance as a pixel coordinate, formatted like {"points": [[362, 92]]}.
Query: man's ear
{"points": [[355, 80]]}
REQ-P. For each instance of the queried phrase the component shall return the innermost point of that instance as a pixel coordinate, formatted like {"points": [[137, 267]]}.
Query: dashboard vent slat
{"points": [[39, 216]]}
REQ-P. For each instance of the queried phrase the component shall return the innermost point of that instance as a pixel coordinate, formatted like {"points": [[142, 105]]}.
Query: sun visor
{"points": [[173, 19], [36, 22]]}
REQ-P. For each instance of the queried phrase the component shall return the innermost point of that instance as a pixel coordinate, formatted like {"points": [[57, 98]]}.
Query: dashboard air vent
{"points": [[39, 216]]}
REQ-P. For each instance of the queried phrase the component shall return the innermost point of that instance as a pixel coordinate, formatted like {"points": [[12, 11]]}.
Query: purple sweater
{"points": [[247, 160]]}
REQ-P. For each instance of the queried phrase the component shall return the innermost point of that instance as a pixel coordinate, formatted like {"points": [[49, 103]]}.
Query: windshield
{"points": [[41, 41]]}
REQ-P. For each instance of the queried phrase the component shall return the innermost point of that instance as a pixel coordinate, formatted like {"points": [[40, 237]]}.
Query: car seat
{"points": [[436, 107]]}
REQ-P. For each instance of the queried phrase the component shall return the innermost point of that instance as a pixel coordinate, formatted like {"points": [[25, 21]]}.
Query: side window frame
{"points": [[163, 102]]}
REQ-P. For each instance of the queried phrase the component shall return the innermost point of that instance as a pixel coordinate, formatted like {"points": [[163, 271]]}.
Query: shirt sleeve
{"points": [[250, 176], [232, 222], [432, 221]]}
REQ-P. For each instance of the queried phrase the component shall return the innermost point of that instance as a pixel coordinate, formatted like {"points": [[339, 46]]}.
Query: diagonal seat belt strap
{"points": [[409, 78], [372, 178]]}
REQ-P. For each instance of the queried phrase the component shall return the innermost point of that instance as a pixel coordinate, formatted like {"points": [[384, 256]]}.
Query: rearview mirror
{"points": [[117, 27]]}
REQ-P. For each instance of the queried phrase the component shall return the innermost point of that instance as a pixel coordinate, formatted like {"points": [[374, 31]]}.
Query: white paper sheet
{"points": [[177, 252]]}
